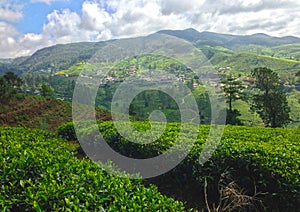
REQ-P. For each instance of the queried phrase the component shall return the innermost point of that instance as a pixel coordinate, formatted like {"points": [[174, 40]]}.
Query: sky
{"points": [[29, 25]]}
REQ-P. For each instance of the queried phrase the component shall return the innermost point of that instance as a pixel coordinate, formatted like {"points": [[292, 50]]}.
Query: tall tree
{"points": [[9, 86], [233, 89], [298, 75], [269, 100], [12, 79], [46, 90], [5, 90]]}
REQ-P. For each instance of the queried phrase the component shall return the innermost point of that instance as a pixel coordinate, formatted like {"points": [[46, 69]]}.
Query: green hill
{"points": [[290, 51], [246, 62], [62, 56], [241, 53]]}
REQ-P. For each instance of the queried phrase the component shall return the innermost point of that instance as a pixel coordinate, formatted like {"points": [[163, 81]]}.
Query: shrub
{"points": [[260, 160], [39, 173], [67, 131]]}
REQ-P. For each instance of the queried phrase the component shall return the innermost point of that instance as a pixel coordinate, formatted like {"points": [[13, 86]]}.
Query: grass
{"points": [[246, 62], [247, 117]]}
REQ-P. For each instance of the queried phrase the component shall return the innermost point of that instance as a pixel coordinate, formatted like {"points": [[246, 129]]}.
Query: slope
{"points": [[246, 62], [39, 112]]}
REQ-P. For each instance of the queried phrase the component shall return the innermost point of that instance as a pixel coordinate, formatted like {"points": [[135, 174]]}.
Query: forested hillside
{"points": [[255, 167]]}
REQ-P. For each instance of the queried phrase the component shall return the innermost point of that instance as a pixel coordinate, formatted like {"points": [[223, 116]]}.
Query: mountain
{"points": [[200, 38], [60, 65], [12, 65], [215, 46], [230, 41], [261, 39], [54, 58]]}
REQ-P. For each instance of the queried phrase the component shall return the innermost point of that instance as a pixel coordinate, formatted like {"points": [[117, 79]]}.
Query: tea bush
{"points": [[260, 160], [39, 172]]}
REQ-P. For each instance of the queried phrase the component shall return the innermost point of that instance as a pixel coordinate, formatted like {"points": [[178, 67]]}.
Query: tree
{"points": [[13, 80], [233, 89], [298, 75], [9, 86], [5, 91], [46, 90], [269, 99]]}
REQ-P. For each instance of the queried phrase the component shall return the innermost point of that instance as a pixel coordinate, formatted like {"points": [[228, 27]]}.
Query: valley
{"points": [[254, 166]]}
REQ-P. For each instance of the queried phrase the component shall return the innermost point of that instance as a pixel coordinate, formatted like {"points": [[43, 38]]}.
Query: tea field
{"points": [[264, 162], [40, 171]]}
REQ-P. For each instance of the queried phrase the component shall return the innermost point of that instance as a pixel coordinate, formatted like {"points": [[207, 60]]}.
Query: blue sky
{"points": [[26, 26], [35, 14]]}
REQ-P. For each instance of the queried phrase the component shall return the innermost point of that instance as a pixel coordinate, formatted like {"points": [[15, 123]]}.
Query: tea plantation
{"points": [[41, 172], [264, 162]]}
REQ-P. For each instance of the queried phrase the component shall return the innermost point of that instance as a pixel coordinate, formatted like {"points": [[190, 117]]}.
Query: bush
{"points": [[67, 131], [39, 173], [259, 159]]}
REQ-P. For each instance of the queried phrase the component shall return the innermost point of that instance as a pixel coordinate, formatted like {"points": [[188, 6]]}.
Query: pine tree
{"points": [[269, 100], [233, 89]]}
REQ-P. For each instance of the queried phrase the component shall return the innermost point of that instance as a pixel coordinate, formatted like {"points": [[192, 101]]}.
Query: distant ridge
{"points": [[63, 56], [230, 41]]}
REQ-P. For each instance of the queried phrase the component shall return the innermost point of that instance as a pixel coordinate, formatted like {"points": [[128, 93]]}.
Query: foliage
{"points": [[5, 90], [241, 54], [247, 117], [40, 173], [233, 117], [245, 62], [76, 69], [289, 51], [298, 75], [32, 81], [67, 131], [46, 90], [39, 112], [9, 86], [260, 160], [12, 79], [211, 52], [270, 101], [233, 90]]}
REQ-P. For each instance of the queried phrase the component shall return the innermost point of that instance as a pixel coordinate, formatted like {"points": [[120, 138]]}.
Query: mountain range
{"points": [[229, 41], [240, 52]]}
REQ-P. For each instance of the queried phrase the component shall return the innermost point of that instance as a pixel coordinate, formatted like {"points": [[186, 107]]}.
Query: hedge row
{"points": [[39, 172], [259, 159]]}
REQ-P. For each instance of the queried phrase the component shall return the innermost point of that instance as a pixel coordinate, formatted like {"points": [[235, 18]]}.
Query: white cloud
{"points": [[179, 6], [94, 18], [10, 11], [46, 1], [107, 19], [8, 43], [141, 17], [62, 25]]}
